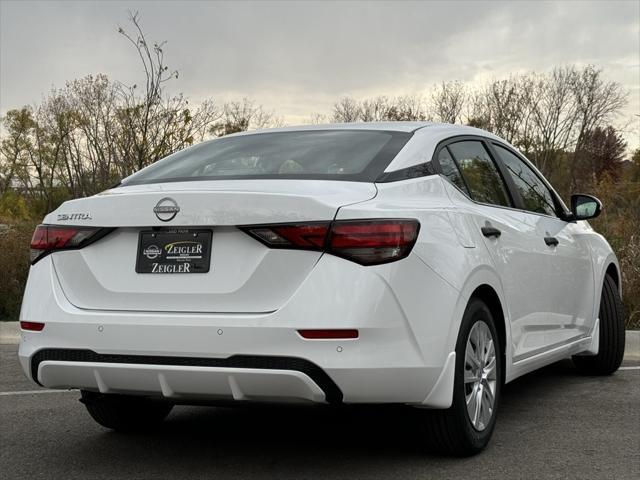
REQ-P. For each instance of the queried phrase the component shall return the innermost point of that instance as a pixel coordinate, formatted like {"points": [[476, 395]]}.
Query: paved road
{"points": [[553, 424]]}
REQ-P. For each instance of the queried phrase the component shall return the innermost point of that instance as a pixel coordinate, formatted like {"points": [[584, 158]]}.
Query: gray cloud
{"points": [[297, 57]]}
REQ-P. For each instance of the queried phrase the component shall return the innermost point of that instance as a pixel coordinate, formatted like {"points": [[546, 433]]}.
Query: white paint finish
{"points": [[422, 145], [217, 203], [441, 395], [571, 278], [594, 347], [178, 381], [240, 279], [521, 260], [407, 312], [381, 126], [548, 356], [387, 353]]}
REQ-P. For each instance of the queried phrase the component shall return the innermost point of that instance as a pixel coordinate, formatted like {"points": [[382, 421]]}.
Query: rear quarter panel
{"points": [[445, 245]]}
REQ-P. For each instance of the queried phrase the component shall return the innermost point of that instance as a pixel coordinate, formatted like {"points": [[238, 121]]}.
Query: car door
{"points": [[570, 302], [511, 236]]}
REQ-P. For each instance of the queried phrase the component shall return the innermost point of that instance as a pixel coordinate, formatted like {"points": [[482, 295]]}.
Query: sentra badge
{"points": [[63, 217]]}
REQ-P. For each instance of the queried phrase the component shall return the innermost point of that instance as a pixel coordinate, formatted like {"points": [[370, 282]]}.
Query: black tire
{"points": [[125, 413], [451, 431], [611, 342]]}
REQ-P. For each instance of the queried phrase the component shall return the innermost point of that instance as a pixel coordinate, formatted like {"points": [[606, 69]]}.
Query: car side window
{"points": [[450, 169], [535, 194], [480, 173]]}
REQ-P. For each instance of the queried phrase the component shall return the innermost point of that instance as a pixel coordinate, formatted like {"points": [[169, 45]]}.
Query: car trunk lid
{"points": [[244, 276]]}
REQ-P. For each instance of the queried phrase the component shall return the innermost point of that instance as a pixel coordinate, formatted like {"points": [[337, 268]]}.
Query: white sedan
{"points": [[389, 263]]}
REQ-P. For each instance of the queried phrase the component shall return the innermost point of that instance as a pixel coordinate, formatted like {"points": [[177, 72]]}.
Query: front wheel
{"points": [[611, 340], [125, 413], [466, 427]]}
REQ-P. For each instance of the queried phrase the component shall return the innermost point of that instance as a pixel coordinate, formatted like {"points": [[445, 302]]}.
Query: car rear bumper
{"points": [[295, 380], [398, 357]]}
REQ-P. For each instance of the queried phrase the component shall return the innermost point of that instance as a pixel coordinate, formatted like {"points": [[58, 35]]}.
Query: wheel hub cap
{"points": [[480, 375]]}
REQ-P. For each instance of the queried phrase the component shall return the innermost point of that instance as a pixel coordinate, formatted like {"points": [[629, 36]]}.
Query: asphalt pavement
{"points": [[553, 423]]}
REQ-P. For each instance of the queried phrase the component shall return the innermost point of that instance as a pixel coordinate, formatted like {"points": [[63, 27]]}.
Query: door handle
{"points": [[551, 241], [491, 232]]}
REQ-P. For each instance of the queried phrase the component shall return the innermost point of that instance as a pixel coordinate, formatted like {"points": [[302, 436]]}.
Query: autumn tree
{"points": [[15, 145], [85, 136], [600, 153]]}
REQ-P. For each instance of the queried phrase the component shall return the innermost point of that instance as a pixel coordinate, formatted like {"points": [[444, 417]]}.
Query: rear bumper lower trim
{"points": [[332, 392]]}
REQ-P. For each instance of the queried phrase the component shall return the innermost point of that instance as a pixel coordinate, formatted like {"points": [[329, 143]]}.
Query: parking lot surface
{"points": [[553, 423]]}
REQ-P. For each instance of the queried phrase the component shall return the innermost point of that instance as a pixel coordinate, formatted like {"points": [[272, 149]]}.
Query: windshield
{"points": [[356, 155]]}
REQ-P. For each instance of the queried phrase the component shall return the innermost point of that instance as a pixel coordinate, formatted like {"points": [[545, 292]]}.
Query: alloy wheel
{"points": [[480, 375]]}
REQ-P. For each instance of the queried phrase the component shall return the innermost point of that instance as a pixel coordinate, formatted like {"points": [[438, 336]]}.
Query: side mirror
{"points": [[584, 207]]}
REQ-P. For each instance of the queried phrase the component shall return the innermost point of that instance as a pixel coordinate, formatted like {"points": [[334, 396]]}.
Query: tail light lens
{"points": [[373, 242], [367, 242], [49, 238], [309, 236]]}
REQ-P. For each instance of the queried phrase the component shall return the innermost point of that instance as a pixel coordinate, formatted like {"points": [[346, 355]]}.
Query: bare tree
{"points": [[501, 107], [240, 116], [597, 100], [407, 108], [374, 109], [381, 108], [346, 110], [317, 118], [448, 101], [552, 117], [152, 123]]}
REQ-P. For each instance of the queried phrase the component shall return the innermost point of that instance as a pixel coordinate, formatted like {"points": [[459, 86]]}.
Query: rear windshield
{"points": [[354, 155]]}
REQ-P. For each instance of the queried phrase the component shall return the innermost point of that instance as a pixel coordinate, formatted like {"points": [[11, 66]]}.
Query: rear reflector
{"points": [[328, 334], [32, 326], [49, 238], [367, 242]]}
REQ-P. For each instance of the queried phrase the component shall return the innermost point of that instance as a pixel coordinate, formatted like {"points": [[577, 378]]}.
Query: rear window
{"points": [[355, 155]]}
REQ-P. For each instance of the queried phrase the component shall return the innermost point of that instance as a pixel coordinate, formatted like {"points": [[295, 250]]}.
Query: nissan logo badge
{"points": [[166, 209]]}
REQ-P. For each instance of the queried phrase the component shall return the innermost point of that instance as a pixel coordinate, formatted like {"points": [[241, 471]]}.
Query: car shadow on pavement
{"points": [[358, 440]]}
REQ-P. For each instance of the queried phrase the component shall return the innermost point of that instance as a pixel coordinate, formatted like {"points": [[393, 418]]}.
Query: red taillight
{"points": [[372, 242], [367, 242], [48, 238], [303, 235], [32, 326], [328, 334]]}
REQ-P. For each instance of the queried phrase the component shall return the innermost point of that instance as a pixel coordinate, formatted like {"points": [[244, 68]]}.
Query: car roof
{"points": [[381, 126], [426, 136], [408, 127]]}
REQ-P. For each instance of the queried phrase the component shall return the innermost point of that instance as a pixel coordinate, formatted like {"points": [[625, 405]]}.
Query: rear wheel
{"points": [[611, 340], [125, 413], [466, 427]]}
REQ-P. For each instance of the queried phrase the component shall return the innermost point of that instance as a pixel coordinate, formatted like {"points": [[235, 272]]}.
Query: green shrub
{"points": [[15, 237], [620, 224]]}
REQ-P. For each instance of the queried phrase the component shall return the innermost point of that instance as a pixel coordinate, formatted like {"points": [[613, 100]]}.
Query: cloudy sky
{"points": [[298, 57]]}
